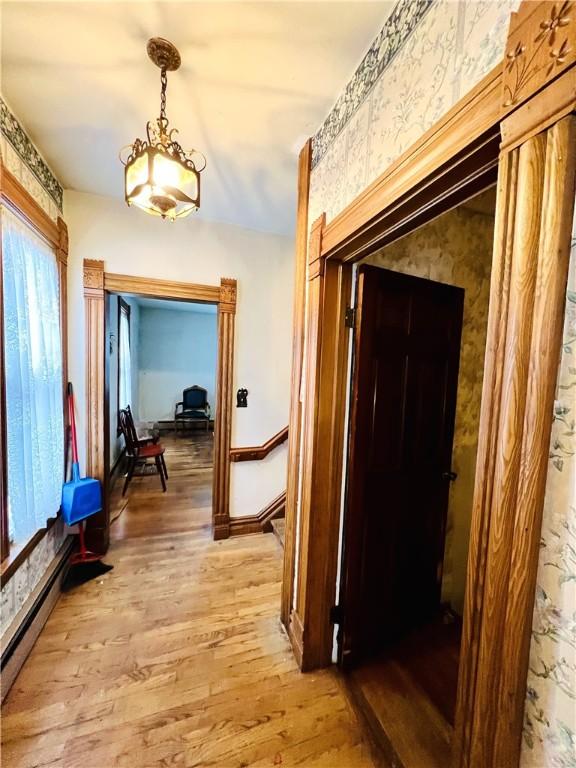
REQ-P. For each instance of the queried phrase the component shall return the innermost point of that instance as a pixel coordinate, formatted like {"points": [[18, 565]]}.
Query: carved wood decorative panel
{"points": [[541, 45]]}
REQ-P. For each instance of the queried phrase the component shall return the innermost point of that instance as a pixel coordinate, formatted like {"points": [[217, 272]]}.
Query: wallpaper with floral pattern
{"points": [[456, 249], [22, 159], [550, 713], [426, 57]]}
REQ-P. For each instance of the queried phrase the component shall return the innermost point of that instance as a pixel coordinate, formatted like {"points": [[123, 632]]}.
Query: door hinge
{"points": [[350, 317], [336, 614]]}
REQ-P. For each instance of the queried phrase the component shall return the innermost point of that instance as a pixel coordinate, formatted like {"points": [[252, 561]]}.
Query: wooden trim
{"points": [[535, 201], [538, 50], [329, 287], [534, 245], [557, 101], [224, 396], [98, 525], [262, 522], [97, 283], [161, 289], [62, 258], [259, 452], [14, 195], [295, 419], [547, 313]]}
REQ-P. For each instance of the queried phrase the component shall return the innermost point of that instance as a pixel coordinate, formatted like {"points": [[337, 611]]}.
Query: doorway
{"points": [[162, 359], [418, 356], [97, 284]]}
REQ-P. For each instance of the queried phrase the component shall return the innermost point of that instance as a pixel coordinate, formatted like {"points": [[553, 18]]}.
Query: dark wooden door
{"points": [[405, 375]]}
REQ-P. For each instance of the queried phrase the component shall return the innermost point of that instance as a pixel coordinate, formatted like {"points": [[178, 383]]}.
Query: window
{"points": [[124, 363], [33, 379]]}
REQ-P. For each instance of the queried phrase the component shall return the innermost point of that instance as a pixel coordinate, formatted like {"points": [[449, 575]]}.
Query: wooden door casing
{"points": [[503, 555], [405, 377]]}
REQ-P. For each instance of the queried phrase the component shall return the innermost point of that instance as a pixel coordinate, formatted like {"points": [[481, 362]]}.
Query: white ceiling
{"points": [[178, 306], [256, 80]]}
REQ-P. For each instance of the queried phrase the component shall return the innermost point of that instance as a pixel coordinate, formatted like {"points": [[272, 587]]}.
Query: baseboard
{"points": [[262, 522], [116, 469], [19, 638], [168, 426], [117, 463]]}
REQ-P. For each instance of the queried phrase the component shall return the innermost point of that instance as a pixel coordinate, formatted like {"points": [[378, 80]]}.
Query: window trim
{"points": [[123, 306], [14, 197]]}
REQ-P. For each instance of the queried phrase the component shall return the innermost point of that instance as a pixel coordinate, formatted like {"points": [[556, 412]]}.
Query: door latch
{"points": [[350, 317]]}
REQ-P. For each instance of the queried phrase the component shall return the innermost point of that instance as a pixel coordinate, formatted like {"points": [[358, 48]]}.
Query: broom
{"points": [[81, 498]]}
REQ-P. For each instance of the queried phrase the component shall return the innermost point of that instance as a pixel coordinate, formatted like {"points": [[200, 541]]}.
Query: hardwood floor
{"points": [[176, 657], [409, 696]]}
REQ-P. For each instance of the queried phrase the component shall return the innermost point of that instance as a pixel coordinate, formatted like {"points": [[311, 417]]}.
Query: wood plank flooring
{"points": [[176, 657], [409, 696]]}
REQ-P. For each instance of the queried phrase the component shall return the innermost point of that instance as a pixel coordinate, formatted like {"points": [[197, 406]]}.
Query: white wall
{"points": [[194, 250], [177, 350]]}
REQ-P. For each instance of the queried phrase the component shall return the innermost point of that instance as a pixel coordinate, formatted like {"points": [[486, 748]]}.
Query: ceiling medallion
{"points": [[159, 176]]}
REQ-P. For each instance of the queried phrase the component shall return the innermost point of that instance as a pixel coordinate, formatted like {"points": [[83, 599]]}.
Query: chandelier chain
{"points": [[164, 84]]}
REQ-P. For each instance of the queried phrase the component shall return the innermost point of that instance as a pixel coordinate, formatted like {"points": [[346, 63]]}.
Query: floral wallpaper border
{"points": [[19, 140], [405, 17]]}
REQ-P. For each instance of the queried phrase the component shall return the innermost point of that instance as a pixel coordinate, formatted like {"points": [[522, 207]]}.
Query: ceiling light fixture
{"points": [[159, 176]]}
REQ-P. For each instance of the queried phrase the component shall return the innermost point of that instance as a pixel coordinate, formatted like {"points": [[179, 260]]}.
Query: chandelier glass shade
{"points": [[159, 176]]}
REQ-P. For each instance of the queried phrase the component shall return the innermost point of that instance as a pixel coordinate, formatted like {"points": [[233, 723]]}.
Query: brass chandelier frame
{"points": [[159, 136]]}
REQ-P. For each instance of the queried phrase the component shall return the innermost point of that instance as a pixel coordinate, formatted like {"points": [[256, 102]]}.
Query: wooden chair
{"points": [[138, 451], [194, 406]]}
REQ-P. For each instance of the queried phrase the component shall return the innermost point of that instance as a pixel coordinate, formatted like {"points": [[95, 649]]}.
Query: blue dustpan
{"points": [[81, 497]]}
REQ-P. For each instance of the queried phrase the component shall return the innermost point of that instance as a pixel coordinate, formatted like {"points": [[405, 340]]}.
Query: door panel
{"points": [[407, 348]]}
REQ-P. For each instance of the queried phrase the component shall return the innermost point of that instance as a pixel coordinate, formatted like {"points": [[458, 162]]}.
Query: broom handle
{"points": [[72, 423]]}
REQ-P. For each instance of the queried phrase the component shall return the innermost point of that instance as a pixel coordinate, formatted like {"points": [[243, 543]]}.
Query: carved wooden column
{"points": [[97, 526], [224, 403], [534, 211], [326, 349]]}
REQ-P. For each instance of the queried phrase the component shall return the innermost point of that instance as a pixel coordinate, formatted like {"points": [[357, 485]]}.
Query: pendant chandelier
{"points": [[159, 176]]}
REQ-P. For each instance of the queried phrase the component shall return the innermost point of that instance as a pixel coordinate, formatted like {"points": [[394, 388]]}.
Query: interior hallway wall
{"points": [[198, 251], [177, 350], [425, 58], [456, 248]]}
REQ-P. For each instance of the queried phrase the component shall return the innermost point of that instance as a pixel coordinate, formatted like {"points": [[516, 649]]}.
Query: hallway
{"points": [[176, 657]]}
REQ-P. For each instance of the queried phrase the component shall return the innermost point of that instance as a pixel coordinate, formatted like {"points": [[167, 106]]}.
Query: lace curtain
{"points": [[33, 364], [125, 373]]}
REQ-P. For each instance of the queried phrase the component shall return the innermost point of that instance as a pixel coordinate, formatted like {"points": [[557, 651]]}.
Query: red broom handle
{"points": [[72, 423]]}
